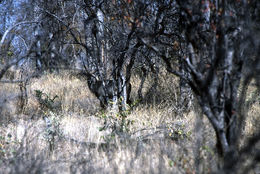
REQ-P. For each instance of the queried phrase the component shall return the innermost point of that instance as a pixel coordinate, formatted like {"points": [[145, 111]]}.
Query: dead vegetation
{"points": [[152, 136]]}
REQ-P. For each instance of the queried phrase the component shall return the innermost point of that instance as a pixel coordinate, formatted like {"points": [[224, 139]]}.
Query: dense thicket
{"points": [[213, 46]]}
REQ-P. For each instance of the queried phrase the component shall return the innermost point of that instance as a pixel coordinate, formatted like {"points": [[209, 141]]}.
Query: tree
{"points": [[208, 44], [111, 45], [218, 39]]}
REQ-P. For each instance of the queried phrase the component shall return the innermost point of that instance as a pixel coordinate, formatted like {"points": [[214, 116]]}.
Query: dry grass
{"points": [[77, 155], [73, 94], [8, 101], [253, 104], [158, 139]]}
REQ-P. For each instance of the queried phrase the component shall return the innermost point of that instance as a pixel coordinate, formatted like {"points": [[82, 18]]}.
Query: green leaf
{"points": [[171, 163]]}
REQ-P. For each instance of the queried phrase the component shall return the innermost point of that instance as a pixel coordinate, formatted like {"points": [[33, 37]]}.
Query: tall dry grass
{"points": [[159, 138]]}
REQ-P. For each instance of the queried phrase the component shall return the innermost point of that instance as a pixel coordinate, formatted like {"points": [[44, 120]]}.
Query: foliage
{"points": [[52, 120], [46, 102], [178, 131]]}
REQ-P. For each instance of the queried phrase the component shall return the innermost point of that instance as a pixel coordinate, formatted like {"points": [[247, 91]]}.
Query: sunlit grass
{"points": [[158, 139]]}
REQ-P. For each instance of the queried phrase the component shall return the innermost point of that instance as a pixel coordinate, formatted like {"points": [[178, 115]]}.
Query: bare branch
{"points": [[12, 27]]}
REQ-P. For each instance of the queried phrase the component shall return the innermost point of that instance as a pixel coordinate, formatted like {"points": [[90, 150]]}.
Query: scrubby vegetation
{"points": [[80, 138], [130, 86]]}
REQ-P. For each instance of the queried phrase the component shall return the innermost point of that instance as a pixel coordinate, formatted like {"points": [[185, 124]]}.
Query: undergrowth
{"points": [[63, 130]]}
